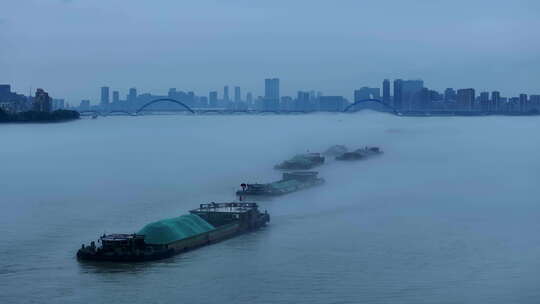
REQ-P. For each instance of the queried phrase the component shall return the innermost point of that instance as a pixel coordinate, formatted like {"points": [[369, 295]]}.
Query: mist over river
{"points": [[449, 214]]}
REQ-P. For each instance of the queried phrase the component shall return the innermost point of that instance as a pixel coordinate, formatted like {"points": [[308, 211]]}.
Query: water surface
{"points": [[449, 214]]}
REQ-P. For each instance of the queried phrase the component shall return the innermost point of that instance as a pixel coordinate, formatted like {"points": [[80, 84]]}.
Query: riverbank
{"points": [[42, 117]]}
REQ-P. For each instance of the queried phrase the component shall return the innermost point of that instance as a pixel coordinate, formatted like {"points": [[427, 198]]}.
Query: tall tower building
{"points": [[271, 94], [132, 95], [398, 94], [249, 97], [213, 99], [534, 101], [410, 93], [386, 91], [105, 96], [450, 95], [523, 102], [465, 99], [271, 88], [495, 100], [484, 101], [42, 101], [237, 95], [303, 102], [115, 96], [226, 93]]}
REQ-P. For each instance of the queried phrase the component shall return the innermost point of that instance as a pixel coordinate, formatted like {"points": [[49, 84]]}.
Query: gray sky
{"points": [[71, 48]]}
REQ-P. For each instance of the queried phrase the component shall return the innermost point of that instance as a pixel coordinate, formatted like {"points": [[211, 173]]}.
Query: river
{"points": [[449, 214]]}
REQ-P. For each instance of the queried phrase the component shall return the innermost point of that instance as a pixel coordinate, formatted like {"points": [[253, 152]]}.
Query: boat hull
{"points": [[302, 186], [174, 248]]}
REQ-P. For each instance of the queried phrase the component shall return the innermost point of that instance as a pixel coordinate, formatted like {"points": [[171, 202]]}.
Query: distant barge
{"points": [[291, 182], [210, 223], [302, 162], [360, 154]]}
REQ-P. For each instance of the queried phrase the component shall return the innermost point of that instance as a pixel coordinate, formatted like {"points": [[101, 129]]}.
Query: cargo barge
{"points": [[291, 182], [336, 150], [302, 162], [360, 154], [210, 223]]}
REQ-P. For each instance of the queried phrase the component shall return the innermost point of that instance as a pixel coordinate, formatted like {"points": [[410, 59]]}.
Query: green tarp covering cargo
{"points": [[170, 230]]}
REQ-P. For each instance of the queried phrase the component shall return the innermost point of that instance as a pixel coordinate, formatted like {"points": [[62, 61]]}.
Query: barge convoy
{"points": [[210, 223], [291, 182]]}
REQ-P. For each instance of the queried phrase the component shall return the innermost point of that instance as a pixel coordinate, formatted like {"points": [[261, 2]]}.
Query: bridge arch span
{"points": [[167, 100], [368, 100]]}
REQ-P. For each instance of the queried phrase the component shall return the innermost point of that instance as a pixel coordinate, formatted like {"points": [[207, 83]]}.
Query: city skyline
{"points": [[231, 91], [480, 44], [403, 96], [96, 97]]}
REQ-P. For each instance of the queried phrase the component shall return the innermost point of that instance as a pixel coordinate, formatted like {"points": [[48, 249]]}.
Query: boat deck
{"points": [[236, 207]]}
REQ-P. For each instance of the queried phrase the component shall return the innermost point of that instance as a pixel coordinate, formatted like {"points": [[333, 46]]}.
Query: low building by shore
{"points": [[35, 116]]}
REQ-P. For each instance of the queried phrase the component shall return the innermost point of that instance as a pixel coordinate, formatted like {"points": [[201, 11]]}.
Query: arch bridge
{"points": [[164, 100], [391, 108]]}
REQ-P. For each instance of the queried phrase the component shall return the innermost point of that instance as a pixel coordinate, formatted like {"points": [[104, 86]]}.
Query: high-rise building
{"points": [[436, 96], [58, 104], [213, 99], [424, 99], [495, 101], [237, 95], [485, 104], [132, 95], [85, 105], [271, 94], [249, 98], [535, 102], [13, 102], [523, 103], [190, 98], [203, 102], [386, 91], [42, 101], [465, 99], [367, 93], [5, 92], [226, 93], [303, 102], [398, 94], [411, 93], [513, 104], [271, 88], [115, 96], [287, 103], [104, 96], [450, 95]]}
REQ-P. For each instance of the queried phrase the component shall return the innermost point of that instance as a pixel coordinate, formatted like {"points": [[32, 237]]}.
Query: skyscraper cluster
{"points": [[411, 96]]}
